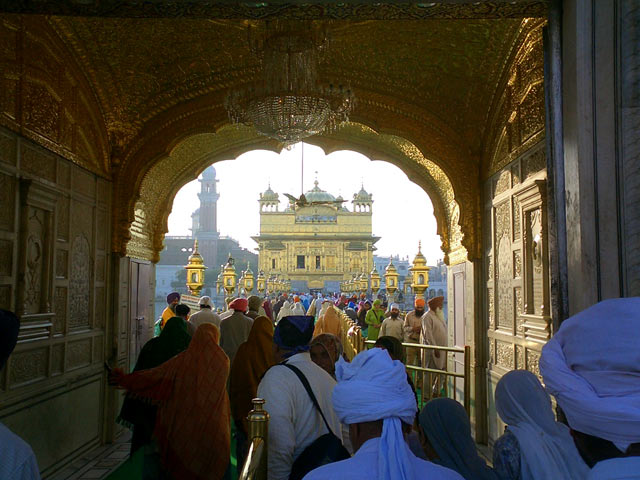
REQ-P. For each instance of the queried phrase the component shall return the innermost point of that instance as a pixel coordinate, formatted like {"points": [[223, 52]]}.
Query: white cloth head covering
{"points": [[592, 367], [325, 306], [546, 447], [285, 310], [394, 305], [374, 387], [298, 309], [206, 301]]}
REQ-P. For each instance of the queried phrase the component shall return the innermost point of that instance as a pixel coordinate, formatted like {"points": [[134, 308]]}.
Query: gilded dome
{"points": [[316, 194]]}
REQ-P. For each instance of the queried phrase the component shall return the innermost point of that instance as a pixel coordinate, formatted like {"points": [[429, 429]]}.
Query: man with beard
{"points": [[434, 332], [393, 326], [412, 328], [173, 299]]}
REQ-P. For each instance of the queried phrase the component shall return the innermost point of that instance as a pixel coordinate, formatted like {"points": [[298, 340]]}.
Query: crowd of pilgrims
{"points": [[334, 419]]}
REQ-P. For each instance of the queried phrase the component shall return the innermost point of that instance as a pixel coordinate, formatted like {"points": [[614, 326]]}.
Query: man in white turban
{"points": [[592, 367], [373, 397]]}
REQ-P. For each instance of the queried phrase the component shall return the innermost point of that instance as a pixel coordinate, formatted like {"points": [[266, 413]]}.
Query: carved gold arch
{"points": [[186, 160]]}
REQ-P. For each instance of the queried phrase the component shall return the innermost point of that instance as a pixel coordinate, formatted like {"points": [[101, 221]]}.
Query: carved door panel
{"points": [[517, 273], [459, 327], [139, 272]]}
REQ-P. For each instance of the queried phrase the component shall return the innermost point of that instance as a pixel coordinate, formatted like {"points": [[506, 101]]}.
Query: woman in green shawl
{"points": [[139, 414]]}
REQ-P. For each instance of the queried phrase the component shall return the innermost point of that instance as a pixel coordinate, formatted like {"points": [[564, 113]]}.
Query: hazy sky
{"points": [[402, 211]]}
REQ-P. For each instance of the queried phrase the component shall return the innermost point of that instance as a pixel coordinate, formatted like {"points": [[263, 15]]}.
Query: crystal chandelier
{"points": [[288, 103]]}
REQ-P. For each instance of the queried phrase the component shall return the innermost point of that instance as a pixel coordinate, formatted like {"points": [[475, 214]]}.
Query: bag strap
{"points": [[307, 387]]}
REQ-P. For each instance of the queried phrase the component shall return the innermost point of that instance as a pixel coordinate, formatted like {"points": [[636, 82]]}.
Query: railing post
{"points": [[467, 379], [258, 420]]}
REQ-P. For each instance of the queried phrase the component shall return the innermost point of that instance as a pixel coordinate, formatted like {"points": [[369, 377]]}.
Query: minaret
{"points": [[208, 214]]}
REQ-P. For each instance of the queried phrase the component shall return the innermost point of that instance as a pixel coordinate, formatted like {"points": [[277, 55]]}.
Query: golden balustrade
{"points": [[353, 343], [255, 465]]}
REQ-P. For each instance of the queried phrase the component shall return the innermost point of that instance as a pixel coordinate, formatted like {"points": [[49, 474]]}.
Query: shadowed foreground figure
{"points": [[445, 434], [373, 397], [193, 421], [534, 446], [592, 367], [325, 351], [139, 414], [17, 461], [253, 359]]}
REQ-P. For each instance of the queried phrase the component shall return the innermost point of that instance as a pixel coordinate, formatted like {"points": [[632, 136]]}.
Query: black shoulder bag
{"points": [[325, 449]]}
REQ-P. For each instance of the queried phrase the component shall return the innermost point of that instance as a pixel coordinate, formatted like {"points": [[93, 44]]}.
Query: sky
{"points": [[402, 211]]}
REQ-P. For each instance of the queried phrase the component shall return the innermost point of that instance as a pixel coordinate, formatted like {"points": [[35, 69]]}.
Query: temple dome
{"points": [[362, 196], [269, 194], [316, 194]]}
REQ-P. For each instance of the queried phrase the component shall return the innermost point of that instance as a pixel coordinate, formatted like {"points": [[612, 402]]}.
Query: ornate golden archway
{"points": [[164, 179]]}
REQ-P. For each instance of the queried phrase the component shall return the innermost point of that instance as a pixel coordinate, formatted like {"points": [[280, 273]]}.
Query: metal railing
{"points": [[353, 343], [255, 465]]}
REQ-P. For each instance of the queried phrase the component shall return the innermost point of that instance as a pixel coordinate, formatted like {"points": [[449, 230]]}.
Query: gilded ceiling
{"points": [[119, 95], [447, 69]]}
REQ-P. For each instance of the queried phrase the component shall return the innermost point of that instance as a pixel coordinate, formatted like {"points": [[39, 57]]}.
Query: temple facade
{"points": [[316, 241]]}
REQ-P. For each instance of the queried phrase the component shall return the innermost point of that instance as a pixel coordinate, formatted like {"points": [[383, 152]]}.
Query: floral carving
{"points": [[534, 163], [517, 264], [27, 367], [79, 282], [79, 353], [41, 109], [505, 295], [533, 362], [60, 309], [504, 355]]}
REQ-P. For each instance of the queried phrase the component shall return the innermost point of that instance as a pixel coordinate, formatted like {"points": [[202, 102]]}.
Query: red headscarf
{"points": [[192, 426], [267, 308]]}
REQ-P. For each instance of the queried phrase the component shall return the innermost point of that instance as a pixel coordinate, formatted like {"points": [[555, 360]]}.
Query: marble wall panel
{"points": [[62, 264], [6, 258], [63, 218], [5, 297], [8, 148], [57, 359], [8, 202], [60, 308], [28, 366], [80, 282], [78, 353], [38, 162]]}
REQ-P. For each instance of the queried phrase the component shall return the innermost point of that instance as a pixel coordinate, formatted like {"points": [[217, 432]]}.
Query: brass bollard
{"points": [[258, 420]]}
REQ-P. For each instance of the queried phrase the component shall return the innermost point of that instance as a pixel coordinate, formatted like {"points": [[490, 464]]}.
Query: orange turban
{"points": [[419, 302], [296, 299]]}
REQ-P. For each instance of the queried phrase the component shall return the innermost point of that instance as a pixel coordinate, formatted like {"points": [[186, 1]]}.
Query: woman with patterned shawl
{"points": [[138, 414], [193, 423], [253, 359]]}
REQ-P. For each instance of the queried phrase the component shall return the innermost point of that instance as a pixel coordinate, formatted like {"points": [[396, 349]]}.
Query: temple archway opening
{"points": [[361, 214]]}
